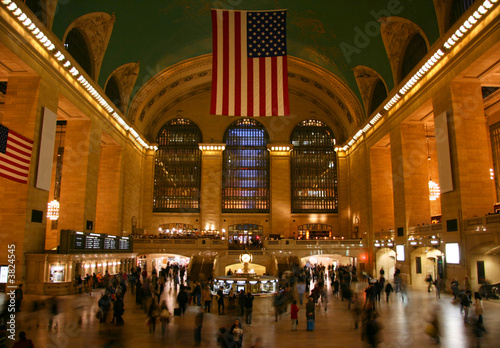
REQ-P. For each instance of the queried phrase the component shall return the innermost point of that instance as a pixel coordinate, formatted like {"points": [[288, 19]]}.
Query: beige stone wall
{"points": [[382, 200], [109, 191]]}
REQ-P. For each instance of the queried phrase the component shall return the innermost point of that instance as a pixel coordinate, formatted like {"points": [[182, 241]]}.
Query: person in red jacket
{"points": [[294, 310]]}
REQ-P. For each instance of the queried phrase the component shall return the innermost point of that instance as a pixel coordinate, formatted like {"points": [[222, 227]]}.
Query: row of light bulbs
{"points": [[467, 25], [28, 23]]}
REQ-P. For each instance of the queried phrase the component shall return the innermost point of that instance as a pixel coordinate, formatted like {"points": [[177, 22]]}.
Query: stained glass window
{"points": [[177, 179], [245, 179], [313, 168]]}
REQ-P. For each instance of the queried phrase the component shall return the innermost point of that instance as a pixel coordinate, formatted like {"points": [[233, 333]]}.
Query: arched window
{"points": [[415, 51], [313, 168], [245, 178], [76, 46], [113, 92], [178, 168], [458, 8], [378, 96]]}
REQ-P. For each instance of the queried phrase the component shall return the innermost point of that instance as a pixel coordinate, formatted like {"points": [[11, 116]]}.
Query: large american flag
{"points": [[249, 75], [15, 155]]}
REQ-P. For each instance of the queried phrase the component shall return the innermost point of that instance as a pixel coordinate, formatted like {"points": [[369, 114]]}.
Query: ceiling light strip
{"points": [[468, 24], [28, 23]]}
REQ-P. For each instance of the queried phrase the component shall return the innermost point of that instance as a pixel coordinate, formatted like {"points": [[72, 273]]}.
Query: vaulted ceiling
{"points": [[330, 44]]}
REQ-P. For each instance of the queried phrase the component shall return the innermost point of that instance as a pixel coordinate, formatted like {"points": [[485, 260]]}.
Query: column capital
{"points": [[211, 147], [280, 149]]}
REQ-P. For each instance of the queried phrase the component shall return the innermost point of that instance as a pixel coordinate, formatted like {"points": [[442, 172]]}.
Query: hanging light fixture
{"points": [[53, 206], [434, 189], [53, 210]]}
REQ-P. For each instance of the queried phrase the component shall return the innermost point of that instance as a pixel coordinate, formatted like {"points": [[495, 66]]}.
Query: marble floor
{"points": [[403, 323]]}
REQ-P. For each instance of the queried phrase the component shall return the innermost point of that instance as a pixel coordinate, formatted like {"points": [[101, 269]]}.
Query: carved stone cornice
{"points": [[396, 33], [126, 75], [96, 28], [366, 78]]}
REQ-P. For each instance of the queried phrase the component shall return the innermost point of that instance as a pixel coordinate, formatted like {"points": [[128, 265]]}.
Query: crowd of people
{"points": [[305, 292]]}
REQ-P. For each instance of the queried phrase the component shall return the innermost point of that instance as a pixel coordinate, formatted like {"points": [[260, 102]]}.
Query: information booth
{"points": [[79, 253]]}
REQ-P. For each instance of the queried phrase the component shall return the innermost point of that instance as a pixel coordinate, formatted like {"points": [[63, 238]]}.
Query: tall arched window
{"points": [[76, 46], [415, 51], [178, 168], [378, 96], [313, 168], [245, 179], [113, 92], [458, 8]]}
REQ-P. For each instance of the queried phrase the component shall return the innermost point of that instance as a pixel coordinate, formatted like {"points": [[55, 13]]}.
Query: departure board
{"points": [[82, 242], [109, 243]]}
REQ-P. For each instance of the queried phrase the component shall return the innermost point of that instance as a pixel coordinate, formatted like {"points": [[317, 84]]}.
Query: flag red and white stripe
{"points": [[15, 155], [249, 78]]}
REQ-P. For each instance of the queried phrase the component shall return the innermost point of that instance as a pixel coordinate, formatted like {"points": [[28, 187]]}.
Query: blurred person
{"points": [[220, 301], [53, 311], [231, 300], [198, 323], [372, 329], [164, 316], [236, 331], [294, 310], [118, 310], [467, 284], [310, 314], [433, 327], [182, 299], [248, 308], [429, 281], [104, 304], [454, 288], [439, 285], [23, 342], [241, 302], [465, 303], [478, 307], [259, 343], [357, 310], [206, 297], [388, 290], [19, 295], [153, 313]]}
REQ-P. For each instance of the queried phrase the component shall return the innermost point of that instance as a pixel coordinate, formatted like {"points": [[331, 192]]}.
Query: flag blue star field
{"points": [[15, 155], [249, 75]]}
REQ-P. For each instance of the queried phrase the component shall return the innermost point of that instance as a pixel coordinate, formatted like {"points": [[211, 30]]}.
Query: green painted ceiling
{"points": [[159, 34]]}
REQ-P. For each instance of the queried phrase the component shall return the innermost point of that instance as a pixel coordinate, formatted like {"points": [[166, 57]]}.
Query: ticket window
{"points": [[57, 273]]}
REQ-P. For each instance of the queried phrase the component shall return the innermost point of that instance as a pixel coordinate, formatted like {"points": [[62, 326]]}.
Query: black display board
{"points": [[75, 242]]}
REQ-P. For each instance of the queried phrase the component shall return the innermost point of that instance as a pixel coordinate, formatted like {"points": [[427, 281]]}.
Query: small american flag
{"points": [[250, 76], [15, 155]]}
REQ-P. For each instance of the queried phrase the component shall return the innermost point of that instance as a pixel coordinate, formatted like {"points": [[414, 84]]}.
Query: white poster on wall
{"points": [[46, 154]]}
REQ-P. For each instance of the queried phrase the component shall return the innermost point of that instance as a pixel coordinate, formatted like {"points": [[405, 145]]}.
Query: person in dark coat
{"points": [[388, 290], [182, 299], [118, 310], [310, 314], [220, 301]]}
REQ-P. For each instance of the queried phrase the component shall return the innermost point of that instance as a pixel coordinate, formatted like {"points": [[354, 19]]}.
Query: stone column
{"points": [[18, 201], [80, 171], [280, 200], [211, 186], [382, 190], [108, 212], [147, 193]]}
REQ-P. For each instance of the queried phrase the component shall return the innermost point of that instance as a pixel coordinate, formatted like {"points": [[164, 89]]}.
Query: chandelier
{"points": [[53, 210], [434, 190]]}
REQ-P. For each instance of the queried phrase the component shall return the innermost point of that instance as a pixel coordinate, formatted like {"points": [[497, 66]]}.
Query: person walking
{"points": [[301, 289], [248, 308], [206, 297], [236, 331], [182, 299], [220, 301], [18, 294], [198, 323], [310, 314], [388, 290], [478, 307], [294, 311], [164, 316], [23, 341], [153, 313], [465, 303], [241, 302]]}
